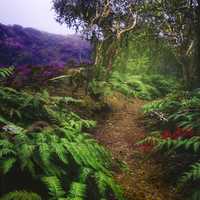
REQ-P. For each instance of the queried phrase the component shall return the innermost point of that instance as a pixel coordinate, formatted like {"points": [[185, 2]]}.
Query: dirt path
{"points": [[119, 133]]}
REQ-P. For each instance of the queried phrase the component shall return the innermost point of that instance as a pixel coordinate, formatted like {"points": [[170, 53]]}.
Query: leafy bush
{"points": [[99, 89], [146, 87], [164, 85], [180, 110], [171, 147], [177, 118], [42, 137]]}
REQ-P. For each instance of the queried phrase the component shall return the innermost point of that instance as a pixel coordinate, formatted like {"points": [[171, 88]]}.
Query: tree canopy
{"points": [[107, 23]]}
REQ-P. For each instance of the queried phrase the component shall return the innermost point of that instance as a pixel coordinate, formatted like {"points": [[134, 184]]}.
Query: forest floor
{"points": [[119, 133]]}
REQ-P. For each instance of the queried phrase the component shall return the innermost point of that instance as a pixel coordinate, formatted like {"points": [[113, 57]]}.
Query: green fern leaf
{"points": [[54, 186], [77, 191], [21, 195], [7, 164]]}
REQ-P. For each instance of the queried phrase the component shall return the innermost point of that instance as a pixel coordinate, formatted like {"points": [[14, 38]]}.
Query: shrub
{"points": [[147, 87], [41, 137], [177, 118], [180, 110]]}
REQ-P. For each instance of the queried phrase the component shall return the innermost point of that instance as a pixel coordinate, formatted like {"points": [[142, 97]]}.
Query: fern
{"points": [[44, 149], [57, 153], [192, 175], [5, 72], [77, 191], [191, 145], [180, 110], [6, 165], [21, 195], [104, 183], [148, 87], [54, 186]]}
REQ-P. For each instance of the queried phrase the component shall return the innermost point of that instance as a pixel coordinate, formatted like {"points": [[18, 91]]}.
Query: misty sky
{"points": [[31, 13]]}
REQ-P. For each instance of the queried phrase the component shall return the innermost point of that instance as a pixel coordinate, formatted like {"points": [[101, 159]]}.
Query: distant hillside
{"points": [[27, 46]]}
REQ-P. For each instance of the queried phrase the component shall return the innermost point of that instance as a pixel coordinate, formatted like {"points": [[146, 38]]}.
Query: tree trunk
{"points": [[196, 83], [186, 71], [105, 54]]}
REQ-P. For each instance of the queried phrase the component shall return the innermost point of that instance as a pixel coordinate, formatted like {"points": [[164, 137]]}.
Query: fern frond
{"points": [[7, 164], [54, 186], [44, 153], [52, 153], [149, 140], [6, 151], [60, 151], [21, 195], [104, 183], [77, 191], [192, 144], [6, 71], [192, 175]]}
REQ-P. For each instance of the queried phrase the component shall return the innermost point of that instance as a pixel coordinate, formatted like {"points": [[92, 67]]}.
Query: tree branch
{"points": [[99, 15], [129, 28]]}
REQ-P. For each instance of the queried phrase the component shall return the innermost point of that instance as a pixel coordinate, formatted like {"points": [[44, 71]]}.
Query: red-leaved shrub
{"points": [[177, 134]]}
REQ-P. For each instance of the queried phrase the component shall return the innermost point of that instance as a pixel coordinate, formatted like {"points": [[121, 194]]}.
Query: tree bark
{"points": [[196, 82]]}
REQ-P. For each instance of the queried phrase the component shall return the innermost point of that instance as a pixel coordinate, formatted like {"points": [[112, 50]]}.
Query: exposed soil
{"points": [[119, 133]]}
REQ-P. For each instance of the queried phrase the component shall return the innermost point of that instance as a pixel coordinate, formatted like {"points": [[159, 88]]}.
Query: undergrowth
{"points": [[146, 87], [176, 118], [43, 142]]}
